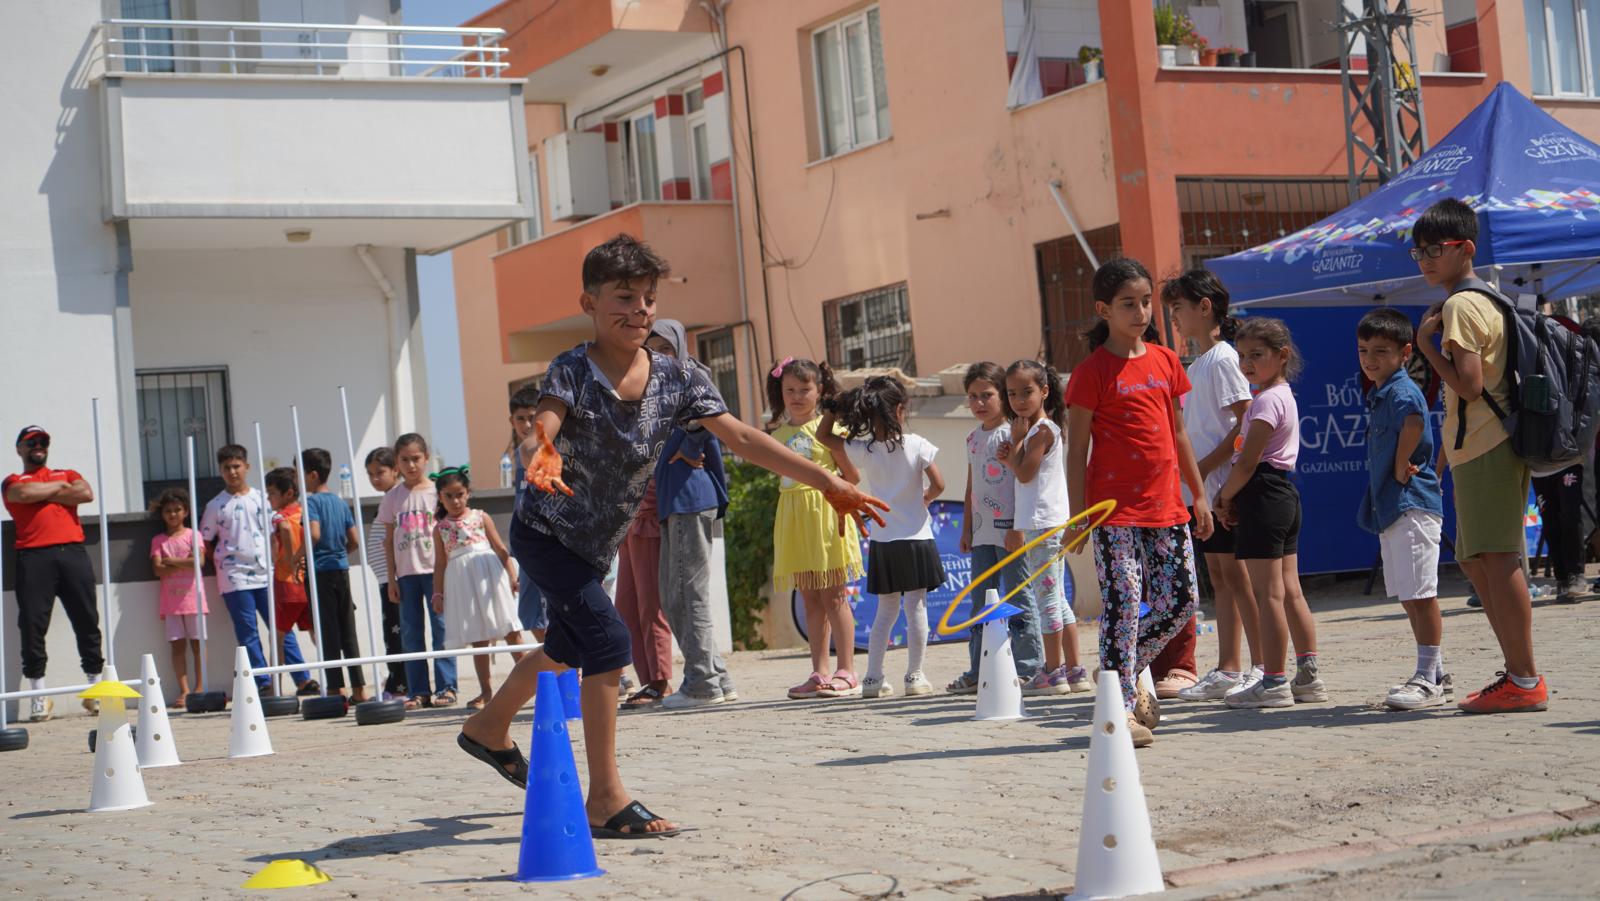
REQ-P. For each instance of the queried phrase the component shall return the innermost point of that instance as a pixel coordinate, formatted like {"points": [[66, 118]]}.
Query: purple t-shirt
{"points": [[1276, 407]]}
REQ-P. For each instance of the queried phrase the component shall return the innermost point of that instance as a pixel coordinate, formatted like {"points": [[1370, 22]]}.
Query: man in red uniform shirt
{"points": [[51, 561]]}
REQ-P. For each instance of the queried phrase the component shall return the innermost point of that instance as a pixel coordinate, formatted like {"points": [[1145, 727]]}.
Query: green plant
{"points": [[1166, 24], [747, 533], [1087, 54]]}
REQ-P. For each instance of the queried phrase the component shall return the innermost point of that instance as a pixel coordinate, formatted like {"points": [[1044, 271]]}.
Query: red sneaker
{"points": [[1505, 696]]}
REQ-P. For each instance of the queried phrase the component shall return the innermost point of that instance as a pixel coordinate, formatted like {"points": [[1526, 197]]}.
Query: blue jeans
{"points": [[530, 605], [416, 596], [1027, 645], [243, 608]]}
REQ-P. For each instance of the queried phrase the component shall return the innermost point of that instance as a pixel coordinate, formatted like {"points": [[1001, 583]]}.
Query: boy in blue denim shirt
{"points": [[1403, 504]]}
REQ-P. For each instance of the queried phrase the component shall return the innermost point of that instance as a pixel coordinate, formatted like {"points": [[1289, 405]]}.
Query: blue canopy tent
{"points": [[1533, 181], [1536, 187]]}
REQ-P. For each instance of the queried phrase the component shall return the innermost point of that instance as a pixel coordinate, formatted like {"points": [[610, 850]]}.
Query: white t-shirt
{"points": [[235, 522], [895, 477], [1042, 503], [1216, 384], [994, 487]]}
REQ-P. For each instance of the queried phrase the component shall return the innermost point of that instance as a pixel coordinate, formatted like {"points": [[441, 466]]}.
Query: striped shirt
{"points": [[376, 560]]}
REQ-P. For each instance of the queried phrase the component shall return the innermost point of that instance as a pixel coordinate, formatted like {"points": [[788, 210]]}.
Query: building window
{"points": [[852, 94], [700, 139], [173, 405], [146, 41], [1564, 47], [639, 153], [871, 330], [716, 351]]}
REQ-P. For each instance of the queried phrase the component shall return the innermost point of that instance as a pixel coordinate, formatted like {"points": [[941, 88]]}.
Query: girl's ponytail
{"points": [[871, 411], [1055, 401], [1097, 334], [1229, 326]]}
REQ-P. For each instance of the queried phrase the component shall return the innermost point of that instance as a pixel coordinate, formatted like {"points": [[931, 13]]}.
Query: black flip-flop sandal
{"points": [[509, 763], [644, 699], [629, 823]]}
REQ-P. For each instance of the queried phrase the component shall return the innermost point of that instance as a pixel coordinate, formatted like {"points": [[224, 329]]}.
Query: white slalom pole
{"points": [[199, 583], [271, 644], [105, 539], [361, 537], [317, 631], [3, 704]]}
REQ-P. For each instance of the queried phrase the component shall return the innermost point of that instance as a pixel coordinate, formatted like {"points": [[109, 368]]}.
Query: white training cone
{"points": [[999, 689], [117, 784], [154, 739], [1116, 850], [1147, 681], [249, 737]]}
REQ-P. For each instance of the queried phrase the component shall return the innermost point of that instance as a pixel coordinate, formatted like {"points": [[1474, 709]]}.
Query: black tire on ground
{"points": [[379, 713], [13, 739], [133, 733], [280, 705], [328, 707], [205, 702]]}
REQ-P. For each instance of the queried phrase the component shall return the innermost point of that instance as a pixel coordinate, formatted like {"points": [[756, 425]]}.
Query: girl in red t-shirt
{"points": [[1125, 396]]}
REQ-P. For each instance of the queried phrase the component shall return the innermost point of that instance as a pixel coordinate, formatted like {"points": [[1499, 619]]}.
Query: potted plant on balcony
{"points": [[1228, 57], [1193, 47], [1247, 59], [1167, 34], [1208, 55], [1090, 59]]}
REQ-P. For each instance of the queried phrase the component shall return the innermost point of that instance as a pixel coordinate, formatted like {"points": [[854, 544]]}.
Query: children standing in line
{"points": [[988, 527], [470, 584], [530, 603], [237, 525], [903, 562], [382, 476], [407, 512], [1261, 504], [1491, 481], [172, 556], [1125, 396], [333, 540], [809, 553], [1403, 504], [289, 597], [1033, 453], [1213, 414]]}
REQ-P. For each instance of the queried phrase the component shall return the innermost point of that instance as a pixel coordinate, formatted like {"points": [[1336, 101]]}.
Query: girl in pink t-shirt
{"points": [[172, 556], [1261, 504]]}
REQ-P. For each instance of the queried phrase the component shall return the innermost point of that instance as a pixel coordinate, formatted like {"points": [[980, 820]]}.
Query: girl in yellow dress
{"points": [[809, 554]]}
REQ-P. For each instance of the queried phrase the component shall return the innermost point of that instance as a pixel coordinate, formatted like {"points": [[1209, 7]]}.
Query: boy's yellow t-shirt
{"points": [[1476, 324]]}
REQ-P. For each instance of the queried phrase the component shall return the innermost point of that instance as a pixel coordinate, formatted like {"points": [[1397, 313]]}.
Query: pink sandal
{"points": [[809, 689], [844, 684]]}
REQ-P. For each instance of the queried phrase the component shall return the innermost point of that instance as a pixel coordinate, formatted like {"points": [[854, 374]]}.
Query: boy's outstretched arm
{"points": [[764, 451]]}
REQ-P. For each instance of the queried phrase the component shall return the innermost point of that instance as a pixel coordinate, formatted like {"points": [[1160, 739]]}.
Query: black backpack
{"points": [[1554, 375]]}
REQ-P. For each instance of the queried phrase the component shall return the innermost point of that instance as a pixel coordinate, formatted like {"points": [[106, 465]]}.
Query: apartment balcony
{"points": [[566, 47], [254, 134], [538, 284]]}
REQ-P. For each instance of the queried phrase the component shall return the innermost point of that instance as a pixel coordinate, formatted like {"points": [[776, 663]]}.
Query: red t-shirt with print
{"points": [[46, 523], [1134, 458]]}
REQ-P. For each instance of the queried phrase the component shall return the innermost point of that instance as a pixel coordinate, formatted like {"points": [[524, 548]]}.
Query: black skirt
{"points": [[901, 566]]}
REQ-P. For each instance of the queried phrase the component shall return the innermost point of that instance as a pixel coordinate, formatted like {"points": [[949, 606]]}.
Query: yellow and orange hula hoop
{"points": [[1099, 513]]}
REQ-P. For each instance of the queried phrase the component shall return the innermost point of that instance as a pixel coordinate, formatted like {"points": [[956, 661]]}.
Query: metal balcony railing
{"points": [[289, 48]]}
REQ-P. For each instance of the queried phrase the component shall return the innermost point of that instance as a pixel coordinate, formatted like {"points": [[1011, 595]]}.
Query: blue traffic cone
{"points": [[571, 701], [556, 844]]}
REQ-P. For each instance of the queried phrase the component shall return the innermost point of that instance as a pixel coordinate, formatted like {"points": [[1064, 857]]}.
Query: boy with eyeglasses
{"points": [[1491, 481]]}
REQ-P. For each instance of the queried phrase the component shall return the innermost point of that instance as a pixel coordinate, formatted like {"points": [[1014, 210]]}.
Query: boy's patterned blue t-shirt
{"points": [[609, 448]]}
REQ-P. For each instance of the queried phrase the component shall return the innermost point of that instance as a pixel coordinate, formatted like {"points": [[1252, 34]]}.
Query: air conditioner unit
{"points": [[575, 163]]}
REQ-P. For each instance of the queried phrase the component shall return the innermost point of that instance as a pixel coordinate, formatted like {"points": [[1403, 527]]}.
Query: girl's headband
{"points": [[450, 470]]}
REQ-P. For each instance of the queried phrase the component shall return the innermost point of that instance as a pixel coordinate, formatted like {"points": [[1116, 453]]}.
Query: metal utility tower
{"points": [[1390, 102]]}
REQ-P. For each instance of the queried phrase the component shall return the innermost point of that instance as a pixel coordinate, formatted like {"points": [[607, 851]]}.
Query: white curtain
{"points": [[1025, 86]]}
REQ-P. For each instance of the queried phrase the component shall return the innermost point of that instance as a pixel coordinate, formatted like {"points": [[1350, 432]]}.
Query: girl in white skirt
{"points": [[472, 591]]}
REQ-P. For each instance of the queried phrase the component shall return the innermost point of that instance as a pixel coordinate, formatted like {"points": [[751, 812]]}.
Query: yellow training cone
{"points": [[287, 874], [117, 784], [107, 689]]}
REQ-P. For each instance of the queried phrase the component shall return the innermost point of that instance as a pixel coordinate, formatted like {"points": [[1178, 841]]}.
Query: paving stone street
{"points": [[889, 798]]}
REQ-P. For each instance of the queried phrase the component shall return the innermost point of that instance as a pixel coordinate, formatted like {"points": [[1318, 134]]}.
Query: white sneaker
{"points": [[917, 684], [681, 700], [40, 709], [1245, 684], [1415, 694], [1042, 685], [876, 687], [1259, 695], [1214, 686]]}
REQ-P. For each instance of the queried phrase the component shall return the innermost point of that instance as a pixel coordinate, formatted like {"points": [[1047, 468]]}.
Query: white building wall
{"points": [[57, 255]]}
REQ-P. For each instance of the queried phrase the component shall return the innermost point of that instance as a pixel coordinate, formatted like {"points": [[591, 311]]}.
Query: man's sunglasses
{"points": [[31, 443], [1433, 251]]}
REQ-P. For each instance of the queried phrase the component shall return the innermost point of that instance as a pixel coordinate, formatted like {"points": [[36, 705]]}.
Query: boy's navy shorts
{"points": [[585, 631]]}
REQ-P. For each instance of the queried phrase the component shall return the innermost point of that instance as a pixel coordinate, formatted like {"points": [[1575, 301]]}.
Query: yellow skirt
{"points": [[808, 551]]}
